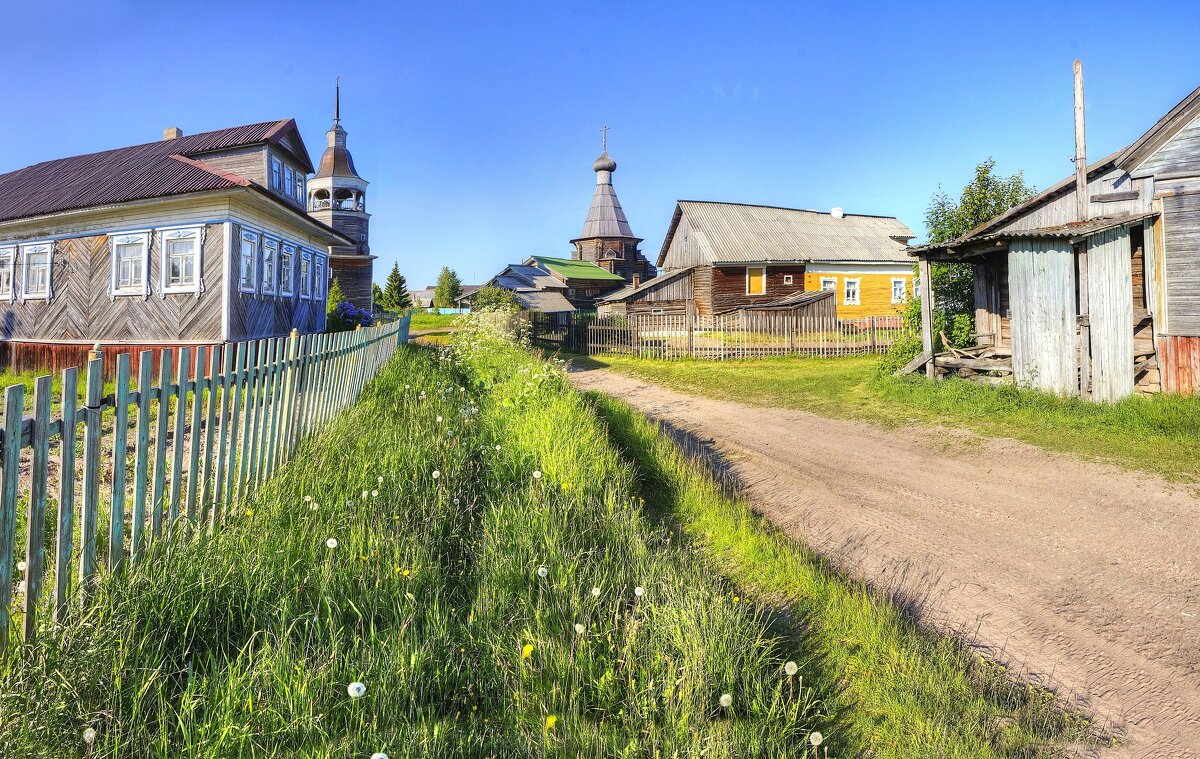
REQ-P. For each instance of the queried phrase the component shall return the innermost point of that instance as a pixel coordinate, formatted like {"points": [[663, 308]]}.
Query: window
{"points": [[247, 262], [289, 181], [899, 290], [828, 283], [130, 260], [319, 278], [287, 272], [181, 260], [35, 279], [270, 256], [305, 275], [788, 279], [756, 280], [276, 174], [8, 257], [851, 292], [300, 189]]}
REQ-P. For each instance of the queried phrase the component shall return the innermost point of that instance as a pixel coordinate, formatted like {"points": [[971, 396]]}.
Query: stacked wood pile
{"points": [[989, 365]]}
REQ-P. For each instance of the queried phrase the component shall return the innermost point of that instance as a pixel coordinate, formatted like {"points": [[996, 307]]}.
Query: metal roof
{"points": [[140, 172], [661, 279], [737, 233], [546, 301], [798, 298], [523, 277], [1072, 230]]}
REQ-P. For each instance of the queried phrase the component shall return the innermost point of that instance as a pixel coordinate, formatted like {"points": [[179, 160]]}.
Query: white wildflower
{"points": [[596, 592], [379, 479], [726, 700], [356, 689], [815, 738], [374, 493], [22, 566], [436, 474], [89, 736], [379, 755], [543, 571], [790, 668], [639, 591], [579, 628], [364, 495], [439, 420], [331, 543], [537, 474], [308, 499], [497, 446]]}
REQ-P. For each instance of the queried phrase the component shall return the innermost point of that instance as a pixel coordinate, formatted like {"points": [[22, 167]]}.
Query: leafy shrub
{"points": [[346, 316]]}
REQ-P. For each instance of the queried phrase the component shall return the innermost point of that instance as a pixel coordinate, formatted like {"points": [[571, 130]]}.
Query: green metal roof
{"points": [[569, 269]]}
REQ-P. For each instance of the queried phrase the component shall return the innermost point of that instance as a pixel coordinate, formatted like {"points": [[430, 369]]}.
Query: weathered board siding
{"points": [[728, 285], [670, 296], [1180, 154], [1110, 309], [82, 310], [254, 315], [1181, 259], [1061, 209], [353, 273], [249, 162], [1041, 276], [874, 290], [1180, 364]]}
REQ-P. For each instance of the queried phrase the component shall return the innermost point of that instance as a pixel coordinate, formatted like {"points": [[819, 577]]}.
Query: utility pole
{"points": [[1081, 185]]}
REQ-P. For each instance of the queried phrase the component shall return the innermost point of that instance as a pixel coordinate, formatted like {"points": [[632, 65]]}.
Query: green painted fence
{"points": [[184, 451]]}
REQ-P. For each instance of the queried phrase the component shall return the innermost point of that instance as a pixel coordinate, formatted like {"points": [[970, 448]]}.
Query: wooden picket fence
{"points": [[224, 417], [735, 335]]}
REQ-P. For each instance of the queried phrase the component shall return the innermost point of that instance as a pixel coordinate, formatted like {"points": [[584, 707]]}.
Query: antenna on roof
{"points": [[604, 139], [337, 99]]}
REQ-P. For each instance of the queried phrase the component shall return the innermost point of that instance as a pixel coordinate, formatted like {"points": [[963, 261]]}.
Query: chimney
{"points": [[172, 133], [637, 280]]}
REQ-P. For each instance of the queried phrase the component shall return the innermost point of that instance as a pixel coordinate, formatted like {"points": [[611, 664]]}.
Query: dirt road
{"points": [[1078, 576]]}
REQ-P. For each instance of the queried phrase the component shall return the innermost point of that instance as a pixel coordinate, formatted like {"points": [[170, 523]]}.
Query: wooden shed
{"points": [[1093, 293]]}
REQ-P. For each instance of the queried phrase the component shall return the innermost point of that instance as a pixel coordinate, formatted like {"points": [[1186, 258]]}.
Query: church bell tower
{"points": [[337, 196]]}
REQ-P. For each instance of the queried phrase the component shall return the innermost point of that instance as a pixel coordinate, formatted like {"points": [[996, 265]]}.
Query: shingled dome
{"points": [[604, 163], [605, 217]]}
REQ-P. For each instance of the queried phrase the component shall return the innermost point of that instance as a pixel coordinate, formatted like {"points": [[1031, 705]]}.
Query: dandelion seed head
{"points": [[639, 591], [89, 736], [374, 493], [312, 506], [726, 700], [331, 543], [379, 479], [456, 501], [790, 668], [308, 499], [537, 474], [439, 419], [364, 495], [497, 447], [379, 755], [596, 592], [22, 566], [356, 689], [543, 571], [815, 738], [436, 474], [579, 628]]}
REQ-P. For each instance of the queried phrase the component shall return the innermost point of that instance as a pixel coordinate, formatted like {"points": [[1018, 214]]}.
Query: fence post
{"points": [[873, 336], [91, 468], [66, 495], [35, 541], [116, 531], [14, 409]]}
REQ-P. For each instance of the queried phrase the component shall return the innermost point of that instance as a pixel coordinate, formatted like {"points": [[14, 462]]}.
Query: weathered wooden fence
{"points": [[739, 334], [216, 424]]}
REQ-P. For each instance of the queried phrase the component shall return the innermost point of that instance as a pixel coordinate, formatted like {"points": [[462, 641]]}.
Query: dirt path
{"points": [[1079, 576]]}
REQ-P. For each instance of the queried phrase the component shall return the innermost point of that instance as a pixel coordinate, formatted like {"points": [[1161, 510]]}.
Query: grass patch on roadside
{"points": [[426, 320], [402, 549], [903, 691], [1156, 435]]}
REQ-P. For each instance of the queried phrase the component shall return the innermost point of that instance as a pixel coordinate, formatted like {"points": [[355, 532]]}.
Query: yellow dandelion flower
{"points": [[550, 721], [249, 512], [406, 572], [527, 651]]}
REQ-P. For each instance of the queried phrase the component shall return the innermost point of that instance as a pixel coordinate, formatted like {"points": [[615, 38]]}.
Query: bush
{"points": [[346, 316]]}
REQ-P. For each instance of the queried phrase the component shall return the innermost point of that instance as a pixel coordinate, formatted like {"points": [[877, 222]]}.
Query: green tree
{"points": [[987, 196], [336, 296], [448, 288], [494, 298], [377, 295], [395, 291]]}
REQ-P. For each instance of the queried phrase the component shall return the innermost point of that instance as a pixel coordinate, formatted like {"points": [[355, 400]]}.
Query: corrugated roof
{"points": [[570, 269], [1071, 230], [546, 301], [522, 277], [140, 172], [798, 298], [736, 233]]}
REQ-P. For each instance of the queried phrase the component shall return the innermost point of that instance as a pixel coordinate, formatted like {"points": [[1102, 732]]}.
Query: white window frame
{"points": [[830, 281], [196, 235], [301, 189], [289, 179], [268, 250], [764, 280], [8, 260], [275, 173], [115, 241], [903, 289], [248, 236], [37, 248], [305, 275], [289, 250], [846, 301], [789, 279], [320, 271]]}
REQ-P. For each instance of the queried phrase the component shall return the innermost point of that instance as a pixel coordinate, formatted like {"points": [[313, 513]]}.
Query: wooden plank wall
{"points": [[226, 419], [253, 315], [1062, 210], [1180, 364], [82, 309], [1110, 309], [728, 286], [1181, 258], [1041, 277]]}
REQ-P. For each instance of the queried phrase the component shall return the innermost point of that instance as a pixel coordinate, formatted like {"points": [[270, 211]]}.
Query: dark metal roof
{"points": [[336, 161], [661, 279], [798, 298], [140, 172]]}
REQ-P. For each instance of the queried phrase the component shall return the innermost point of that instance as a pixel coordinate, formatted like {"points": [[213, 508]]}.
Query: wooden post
{"points": [[91, 468], [1081, 185], [690, 312], [926, 313], [14, 410], [35, 539], [116, 524], [1085, 328], [66, 495]]}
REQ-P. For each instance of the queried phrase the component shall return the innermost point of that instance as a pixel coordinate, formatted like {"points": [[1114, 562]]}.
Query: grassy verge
{"points": [[467, 544], [425, 320], [1156, 435], [902, 692]]}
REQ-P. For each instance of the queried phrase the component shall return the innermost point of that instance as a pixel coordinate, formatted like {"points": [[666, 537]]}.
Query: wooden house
{"points": [[726, 256], [190, 240], [1092, 287], [556, 285]]}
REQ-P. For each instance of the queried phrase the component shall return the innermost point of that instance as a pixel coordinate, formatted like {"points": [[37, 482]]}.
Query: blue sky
{"points": [[476, 124]]}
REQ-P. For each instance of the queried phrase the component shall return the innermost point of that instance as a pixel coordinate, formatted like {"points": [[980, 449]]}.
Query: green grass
{"points": [[425, 320], [1156, 435], [456, 476], [903, 692]]}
